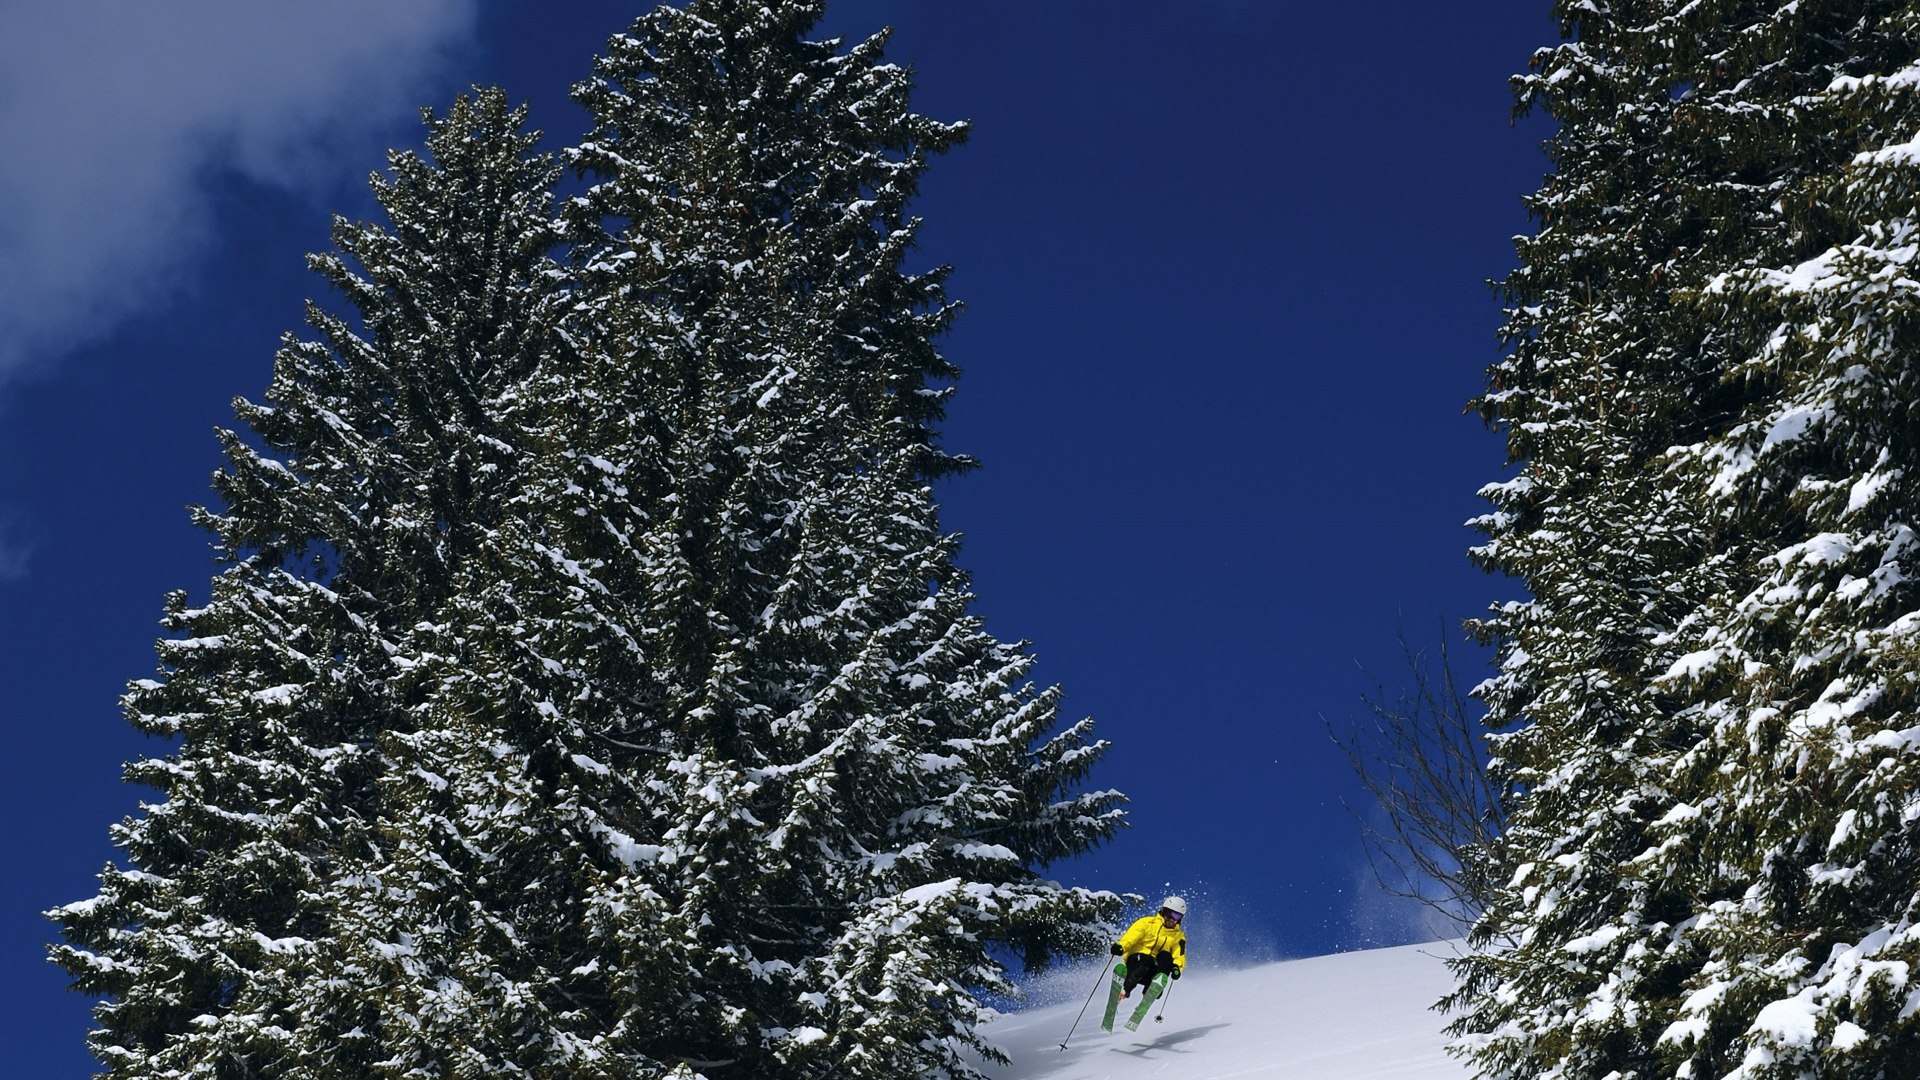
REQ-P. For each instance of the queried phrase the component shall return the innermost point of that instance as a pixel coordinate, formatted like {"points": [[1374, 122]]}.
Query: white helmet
{"points": [[1175, 905]]}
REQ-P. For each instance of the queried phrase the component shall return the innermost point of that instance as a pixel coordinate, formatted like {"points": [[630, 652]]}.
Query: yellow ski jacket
{"points": [[1151, 935]]}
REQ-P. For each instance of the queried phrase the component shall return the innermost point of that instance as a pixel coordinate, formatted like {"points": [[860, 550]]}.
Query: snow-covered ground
{"points": [[1351, 1016]]}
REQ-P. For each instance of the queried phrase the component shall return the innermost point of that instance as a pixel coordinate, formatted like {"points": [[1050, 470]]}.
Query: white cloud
{"points": [[114, 114]]}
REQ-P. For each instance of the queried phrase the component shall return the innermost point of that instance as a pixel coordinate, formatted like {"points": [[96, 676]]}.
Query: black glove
{"points": [[1176, 974], [1114, 949]]}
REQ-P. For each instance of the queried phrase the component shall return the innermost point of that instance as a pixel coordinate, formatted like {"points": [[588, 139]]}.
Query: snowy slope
{"points": [[1351, 1016]]}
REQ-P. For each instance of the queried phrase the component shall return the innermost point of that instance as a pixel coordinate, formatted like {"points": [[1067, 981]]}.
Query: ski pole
{"points": [[1100, 976], [1161, 1016]]}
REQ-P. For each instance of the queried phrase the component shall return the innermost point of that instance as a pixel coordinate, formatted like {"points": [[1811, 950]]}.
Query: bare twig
{"points": [[1421, 754]]}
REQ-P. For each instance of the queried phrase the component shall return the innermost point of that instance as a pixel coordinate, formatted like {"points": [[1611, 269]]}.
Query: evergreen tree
{"points": [[305, 899], [1708, 699], [848, 781], [591, 691]]}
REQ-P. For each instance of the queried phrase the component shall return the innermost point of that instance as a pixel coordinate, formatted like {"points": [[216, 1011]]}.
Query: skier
{"points": [[1152, 951]]}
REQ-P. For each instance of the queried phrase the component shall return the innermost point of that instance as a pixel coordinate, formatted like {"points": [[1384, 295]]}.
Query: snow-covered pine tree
{"points": [[1711, 694], [332, 883], [591, 692], [845, 785]]}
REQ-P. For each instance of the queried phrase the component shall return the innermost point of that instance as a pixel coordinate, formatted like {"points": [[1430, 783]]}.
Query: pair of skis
{"points": [[1155, 989], [1148, 994]]}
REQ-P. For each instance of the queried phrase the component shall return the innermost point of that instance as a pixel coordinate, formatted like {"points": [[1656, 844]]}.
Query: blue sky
{"points": [[1225, 269]]}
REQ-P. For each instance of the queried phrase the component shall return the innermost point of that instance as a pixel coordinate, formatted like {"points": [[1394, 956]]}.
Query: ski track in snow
{"points": [[1351, 1016]]}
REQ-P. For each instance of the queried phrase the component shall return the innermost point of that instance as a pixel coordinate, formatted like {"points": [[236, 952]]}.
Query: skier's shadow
{"points": [[1170, 1041]]}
